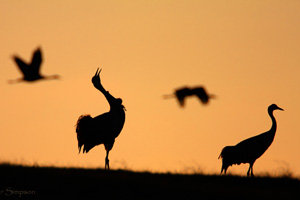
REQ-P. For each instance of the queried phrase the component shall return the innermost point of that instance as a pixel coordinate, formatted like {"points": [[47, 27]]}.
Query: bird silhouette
{"points": [[31, 71], [182, 93], [102, 129], [247, 151]]}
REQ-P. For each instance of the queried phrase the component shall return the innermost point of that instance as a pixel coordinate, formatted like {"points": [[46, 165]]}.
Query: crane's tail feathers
{"points": [[82, 127], [222, 153]]}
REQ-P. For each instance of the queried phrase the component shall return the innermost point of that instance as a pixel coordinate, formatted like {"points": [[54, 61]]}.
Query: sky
{"points": [[244, 52]]}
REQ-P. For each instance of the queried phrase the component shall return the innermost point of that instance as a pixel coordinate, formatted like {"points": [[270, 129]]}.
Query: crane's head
{"points": [[274, 107], [96, 79]]}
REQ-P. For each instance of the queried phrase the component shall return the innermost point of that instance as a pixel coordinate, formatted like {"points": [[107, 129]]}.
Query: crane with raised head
{"points": [[104, 128]]}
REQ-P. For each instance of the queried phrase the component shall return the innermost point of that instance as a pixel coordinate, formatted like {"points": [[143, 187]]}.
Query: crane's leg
{"points": [[225, 170], [250, 169], [106, 160]]}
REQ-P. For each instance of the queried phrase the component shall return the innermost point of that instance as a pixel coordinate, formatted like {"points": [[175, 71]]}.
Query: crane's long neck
{"points": [[272, 131]]}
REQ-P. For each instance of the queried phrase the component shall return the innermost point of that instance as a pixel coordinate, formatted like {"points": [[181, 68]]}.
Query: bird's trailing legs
{"points": [[106, 160]]}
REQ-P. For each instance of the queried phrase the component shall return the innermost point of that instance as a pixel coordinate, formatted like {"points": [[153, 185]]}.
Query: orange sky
{"points": [[245, 52]]}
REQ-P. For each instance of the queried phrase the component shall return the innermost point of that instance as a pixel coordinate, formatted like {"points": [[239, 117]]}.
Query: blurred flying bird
{"points": [[102, 129], [247, 151], [31, 71], [184, 92]]}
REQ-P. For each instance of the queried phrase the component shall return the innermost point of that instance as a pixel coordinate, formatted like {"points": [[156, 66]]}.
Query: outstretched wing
{"points": [[201, 94], [36, 61], [23, 67], [180, 99], [181, 94]]}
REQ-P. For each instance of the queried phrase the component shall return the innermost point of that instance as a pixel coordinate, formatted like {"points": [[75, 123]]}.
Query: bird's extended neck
{"points": [[274, 124]]}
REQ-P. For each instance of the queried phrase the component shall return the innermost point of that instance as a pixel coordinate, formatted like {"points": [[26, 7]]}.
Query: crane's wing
{"points": [[255, 146], [93, 131], [23, 67], [181, 94], [36, 61], [201, 94], [180, 99], [102, 126]]}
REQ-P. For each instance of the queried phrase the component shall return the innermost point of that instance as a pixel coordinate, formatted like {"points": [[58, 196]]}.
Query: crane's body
{"points": [[249, 150], [104, 128]]}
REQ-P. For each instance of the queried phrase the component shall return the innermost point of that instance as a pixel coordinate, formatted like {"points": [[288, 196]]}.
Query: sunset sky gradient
{"points": [[245, 52]]}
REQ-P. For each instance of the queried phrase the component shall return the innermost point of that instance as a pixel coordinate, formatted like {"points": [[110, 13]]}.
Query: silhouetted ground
{"points": [[20, 182]]}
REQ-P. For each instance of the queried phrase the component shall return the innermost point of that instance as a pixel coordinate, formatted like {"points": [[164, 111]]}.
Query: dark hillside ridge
{"points": [[74, 183]]}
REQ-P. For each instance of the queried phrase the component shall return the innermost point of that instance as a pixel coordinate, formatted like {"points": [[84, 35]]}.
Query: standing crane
{"points": [[184, 92], [102, 129], [31, 71], [247, 151]]}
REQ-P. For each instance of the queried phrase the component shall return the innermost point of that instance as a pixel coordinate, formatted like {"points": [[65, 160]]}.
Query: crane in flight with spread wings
{"points": [[182, 93], [31, 71]]}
